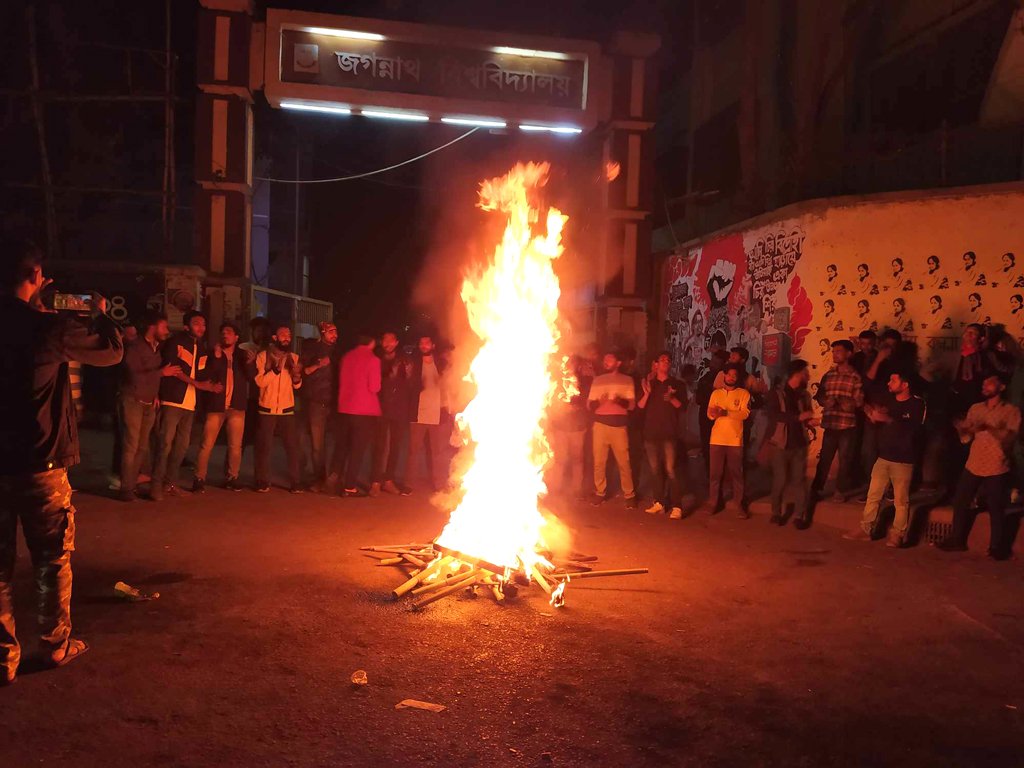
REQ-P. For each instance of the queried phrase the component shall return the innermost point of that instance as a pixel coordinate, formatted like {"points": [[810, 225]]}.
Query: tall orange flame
{"points": [[512, 306]]}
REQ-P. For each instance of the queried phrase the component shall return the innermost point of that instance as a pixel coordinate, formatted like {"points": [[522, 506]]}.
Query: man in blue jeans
{"points": [[841, 395]]}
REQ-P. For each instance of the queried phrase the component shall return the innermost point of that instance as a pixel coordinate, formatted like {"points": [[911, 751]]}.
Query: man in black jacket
{"points": [[38, 442], [232, 368], [319, 393], [187, 350], [393, 427]]}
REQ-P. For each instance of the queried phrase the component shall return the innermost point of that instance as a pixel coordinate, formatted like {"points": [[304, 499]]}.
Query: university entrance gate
{"points": [[423, 73]]}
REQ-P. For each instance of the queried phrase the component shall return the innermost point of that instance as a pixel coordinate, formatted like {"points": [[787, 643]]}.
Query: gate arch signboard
{"points": [[435, 73], [385, 69]]}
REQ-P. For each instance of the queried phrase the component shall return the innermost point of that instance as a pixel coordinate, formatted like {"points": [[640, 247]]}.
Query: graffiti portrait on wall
{"points": [[705, 301]]}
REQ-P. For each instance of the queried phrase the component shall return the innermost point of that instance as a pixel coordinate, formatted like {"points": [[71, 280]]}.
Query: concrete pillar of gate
{"points": [[224, 150], [625, 284]]}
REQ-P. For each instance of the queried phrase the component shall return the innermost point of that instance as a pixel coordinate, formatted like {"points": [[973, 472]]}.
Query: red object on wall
{"points": [[771, 349]]}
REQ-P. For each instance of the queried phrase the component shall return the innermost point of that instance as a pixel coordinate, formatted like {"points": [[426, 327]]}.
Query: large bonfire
{"points": [[497, 531], [513, 308]]}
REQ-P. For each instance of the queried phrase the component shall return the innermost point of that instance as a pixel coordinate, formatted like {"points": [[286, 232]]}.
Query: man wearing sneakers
{"points": [[612, 397], [661, 404], [898, 418], [729, 408]]}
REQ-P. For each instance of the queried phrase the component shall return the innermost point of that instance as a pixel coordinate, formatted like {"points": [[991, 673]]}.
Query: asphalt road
{"points": [[746, 645]]}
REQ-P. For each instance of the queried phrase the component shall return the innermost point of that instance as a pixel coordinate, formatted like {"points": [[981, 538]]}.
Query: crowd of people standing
{"points": [[878, 419], [371, 403]]}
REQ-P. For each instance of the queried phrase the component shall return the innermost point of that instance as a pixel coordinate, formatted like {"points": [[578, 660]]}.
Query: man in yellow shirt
{"points": [[728, 408]]}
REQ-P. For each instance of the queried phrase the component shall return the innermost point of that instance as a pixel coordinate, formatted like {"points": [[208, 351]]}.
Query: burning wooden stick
{"points": [[422, 576], [397, 548], [457, 584], [539, 578], [440, 582], [391, 561], [414, 560], [598, 574]]}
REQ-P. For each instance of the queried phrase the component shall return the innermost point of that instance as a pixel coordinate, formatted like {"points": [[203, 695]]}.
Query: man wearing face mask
{"points": [[278, 375]]}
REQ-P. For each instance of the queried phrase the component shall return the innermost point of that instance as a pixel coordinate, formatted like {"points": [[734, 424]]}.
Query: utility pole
{"points": [[169, 171], [46, 178]]}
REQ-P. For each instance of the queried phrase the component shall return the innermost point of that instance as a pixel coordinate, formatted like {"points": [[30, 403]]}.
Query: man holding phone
{"points": [[38, 442]]}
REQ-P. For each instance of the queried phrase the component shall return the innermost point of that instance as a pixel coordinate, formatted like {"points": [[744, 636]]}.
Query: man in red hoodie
{"points": [[359, 406]]}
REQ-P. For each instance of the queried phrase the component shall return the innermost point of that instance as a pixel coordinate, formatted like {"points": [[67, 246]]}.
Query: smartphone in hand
{"points": [[72, 302]]}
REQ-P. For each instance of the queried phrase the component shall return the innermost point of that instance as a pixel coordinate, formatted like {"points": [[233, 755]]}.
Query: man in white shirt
{"points": [[612, 397], [429, 415]]}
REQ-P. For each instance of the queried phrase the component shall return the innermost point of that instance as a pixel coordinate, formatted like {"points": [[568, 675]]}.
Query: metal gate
{"points": [[302, 313]]}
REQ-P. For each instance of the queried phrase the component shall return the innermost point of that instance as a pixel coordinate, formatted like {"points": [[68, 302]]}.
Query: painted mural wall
{"points": [[788, 288]]}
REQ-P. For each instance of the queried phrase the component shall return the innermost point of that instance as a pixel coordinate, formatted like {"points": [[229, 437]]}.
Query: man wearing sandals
{"points": [[38, 442]]}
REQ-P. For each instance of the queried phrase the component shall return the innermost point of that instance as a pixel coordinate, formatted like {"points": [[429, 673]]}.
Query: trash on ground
{"points": [[413, 704], [134, 594], [359, 677]]}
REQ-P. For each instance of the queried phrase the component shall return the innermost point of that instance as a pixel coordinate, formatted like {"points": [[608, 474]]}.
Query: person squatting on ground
{"points": [[661, 402], [38, 442]]}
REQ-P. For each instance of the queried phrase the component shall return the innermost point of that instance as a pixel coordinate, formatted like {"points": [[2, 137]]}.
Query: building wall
{"points": [[802, 99], [768, 284]]}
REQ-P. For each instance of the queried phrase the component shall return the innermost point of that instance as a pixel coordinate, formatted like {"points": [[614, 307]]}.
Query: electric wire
{"points": [[369, 173]]}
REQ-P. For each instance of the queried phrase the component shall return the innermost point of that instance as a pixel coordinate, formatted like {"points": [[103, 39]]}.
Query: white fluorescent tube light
{"points": [[352, 34], [552, 128], [411, 116], [480, 122], [316, 108], [531, 53]]}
